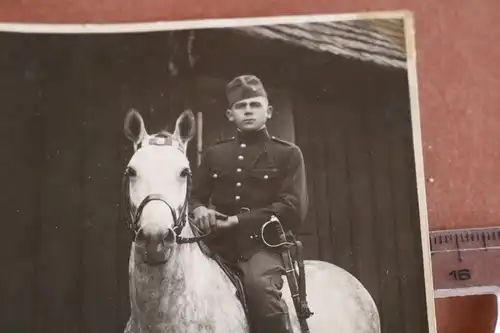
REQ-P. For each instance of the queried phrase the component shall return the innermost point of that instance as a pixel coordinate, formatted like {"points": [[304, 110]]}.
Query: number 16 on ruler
{"points": [[461, 274]]}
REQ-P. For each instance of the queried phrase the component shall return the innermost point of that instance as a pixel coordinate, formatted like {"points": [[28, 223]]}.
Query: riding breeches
{"points": [[262, 279]]}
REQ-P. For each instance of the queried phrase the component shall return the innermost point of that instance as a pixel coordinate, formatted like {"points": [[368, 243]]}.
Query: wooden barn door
{"points": [[363, 211]]}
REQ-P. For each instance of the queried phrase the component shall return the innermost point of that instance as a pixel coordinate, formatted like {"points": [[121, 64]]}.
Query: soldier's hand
{"points": [[227, 223], [206, 218]]}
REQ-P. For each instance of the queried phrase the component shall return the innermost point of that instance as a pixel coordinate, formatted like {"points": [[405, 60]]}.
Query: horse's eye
{"points": [[185, 172], [131, 172]]}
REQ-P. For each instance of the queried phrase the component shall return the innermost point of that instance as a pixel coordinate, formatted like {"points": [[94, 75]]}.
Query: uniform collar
{"points": [[253, 137]]}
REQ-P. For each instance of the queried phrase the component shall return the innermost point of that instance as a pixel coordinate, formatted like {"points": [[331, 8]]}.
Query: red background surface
{"points": [[459, 84]]}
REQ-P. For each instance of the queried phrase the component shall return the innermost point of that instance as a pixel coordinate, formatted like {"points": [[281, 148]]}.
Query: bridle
{"points": [[179, 220]]}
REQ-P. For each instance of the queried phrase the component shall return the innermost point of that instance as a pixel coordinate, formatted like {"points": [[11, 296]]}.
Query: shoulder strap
{"points": [[281, 141], [221, 141], [224, 140]]}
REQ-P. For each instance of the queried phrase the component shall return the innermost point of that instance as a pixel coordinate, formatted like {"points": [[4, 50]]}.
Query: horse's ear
{"points": [[185, 126], [134, 126]]}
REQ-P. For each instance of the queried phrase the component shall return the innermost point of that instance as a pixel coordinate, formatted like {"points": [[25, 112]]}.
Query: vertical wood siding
{"points": [[361, 179]]}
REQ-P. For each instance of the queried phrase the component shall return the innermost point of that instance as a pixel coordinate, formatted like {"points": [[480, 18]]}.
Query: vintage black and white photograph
{"points": [[257, 175]]}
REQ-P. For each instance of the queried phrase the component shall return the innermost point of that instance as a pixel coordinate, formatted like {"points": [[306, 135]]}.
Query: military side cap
{"points": [[244, 86]]}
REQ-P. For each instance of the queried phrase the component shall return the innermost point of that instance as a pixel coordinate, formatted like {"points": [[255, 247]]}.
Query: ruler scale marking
{"points": [[466, 261]]}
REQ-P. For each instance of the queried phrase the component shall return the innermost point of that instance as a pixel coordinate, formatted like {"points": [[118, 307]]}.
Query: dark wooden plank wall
{"points": [[65, 250], [20, 173], [361, 178]]}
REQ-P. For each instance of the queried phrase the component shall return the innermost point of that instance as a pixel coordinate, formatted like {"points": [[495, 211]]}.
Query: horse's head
{"points": [[156, 184]]}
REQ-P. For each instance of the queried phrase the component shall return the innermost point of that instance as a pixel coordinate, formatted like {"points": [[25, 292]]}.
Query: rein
{"points": [[179, 221]]}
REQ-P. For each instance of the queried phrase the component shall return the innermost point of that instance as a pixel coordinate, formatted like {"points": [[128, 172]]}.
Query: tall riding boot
{"points": [[276, 323]]}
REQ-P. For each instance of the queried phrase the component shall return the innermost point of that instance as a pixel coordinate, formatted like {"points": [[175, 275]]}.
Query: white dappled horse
{"points": [[175, 286]]}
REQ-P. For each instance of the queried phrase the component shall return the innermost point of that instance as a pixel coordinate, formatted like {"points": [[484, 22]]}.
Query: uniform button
{"points": [[266, 176], [240, 157], [243, 145], [237, 197], [238, 184], [238, 170], [215, 175]]}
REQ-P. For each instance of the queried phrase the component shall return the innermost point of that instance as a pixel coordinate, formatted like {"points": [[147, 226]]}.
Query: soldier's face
{"points": [[250, 114]]}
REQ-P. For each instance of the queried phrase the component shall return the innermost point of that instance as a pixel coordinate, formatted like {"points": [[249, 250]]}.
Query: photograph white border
{"points": [[137, 27], [411, 61]]}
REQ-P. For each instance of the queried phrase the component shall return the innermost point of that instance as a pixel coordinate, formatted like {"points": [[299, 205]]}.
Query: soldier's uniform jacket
{"points": [[253, 176]]}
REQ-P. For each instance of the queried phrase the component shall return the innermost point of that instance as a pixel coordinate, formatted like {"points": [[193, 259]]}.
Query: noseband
{"points": [[179, 220]]}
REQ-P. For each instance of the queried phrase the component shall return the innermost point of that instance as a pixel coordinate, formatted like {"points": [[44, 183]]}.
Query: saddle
{"points": [[291, 252]]}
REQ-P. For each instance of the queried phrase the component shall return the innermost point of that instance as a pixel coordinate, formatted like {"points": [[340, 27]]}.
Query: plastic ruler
{"points": [[466, 261]]}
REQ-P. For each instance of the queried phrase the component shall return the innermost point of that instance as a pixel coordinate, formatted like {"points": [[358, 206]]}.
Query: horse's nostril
{"points": [[169, 236], [140, 236]]}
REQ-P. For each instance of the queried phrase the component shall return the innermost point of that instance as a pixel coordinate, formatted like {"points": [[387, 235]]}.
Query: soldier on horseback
{"points": [[240, 185]]}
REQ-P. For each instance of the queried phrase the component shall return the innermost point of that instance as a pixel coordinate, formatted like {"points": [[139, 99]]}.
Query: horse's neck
{"points": [[183, 292]]}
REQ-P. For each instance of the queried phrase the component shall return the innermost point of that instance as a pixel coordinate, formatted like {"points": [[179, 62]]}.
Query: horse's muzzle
{"points": [[168, 237], [156, 247]]}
